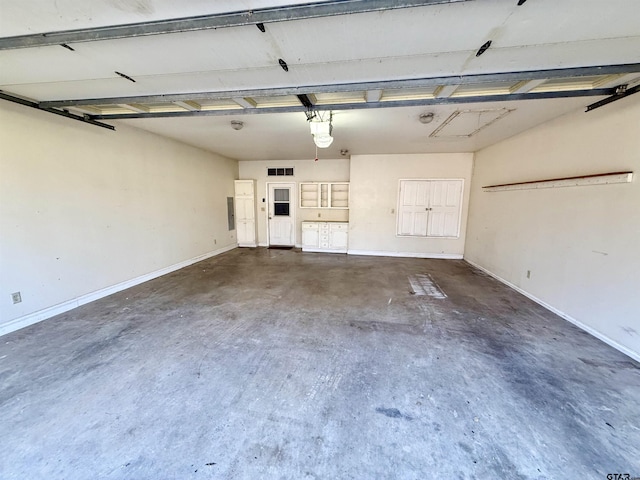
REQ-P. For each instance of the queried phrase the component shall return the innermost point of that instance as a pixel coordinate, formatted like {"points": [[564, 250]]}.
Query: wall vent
{"points": [[280, 172]]}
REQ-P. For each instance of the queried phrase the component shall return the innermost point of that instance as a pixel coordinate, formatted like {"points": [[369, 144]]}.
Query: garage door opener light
{"points": [[321, 130]]}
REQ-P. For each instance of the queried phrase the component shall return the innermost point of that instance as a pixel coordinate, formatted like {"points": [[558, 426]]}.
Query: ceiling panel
{"points": [[405, 32], [553, 21], [465, 123], [36, 16], [389, 130], [431, 41]]}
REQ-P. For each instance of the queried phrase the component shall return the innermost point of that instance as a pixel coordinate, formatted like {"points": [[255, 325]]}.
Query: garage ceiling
{"points": [[376, 71]]}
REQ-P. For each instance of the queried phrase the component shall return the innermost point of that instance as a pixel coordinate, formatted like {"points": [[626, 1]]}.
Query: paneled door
{"points": [[413, 208], [281, 220], [430, 208]]}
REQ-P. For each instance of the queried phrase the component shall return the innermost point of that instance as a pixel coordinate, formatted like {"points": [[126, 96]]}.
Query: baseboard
{"points": [[35, 317], [262, 244], [382, 253], [322, 250], [561, 314]]}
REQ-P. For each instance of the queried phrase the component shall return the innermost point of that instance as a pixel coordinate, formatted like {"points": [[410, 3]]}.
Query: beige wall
{"points": [[305, 171], [374, 198], [83, 208], [581, 244]]}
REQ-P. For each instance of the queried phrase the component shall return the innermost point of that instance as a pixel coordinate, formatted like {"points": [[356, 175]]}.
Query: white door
{"points": [[413, 210], [281, 214], [444, 208]]}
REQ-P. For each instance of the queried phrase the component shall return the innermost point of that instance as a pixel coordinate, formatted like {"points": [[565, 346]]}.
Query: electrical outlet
{"points": [[215, 241], [319, 215], [528, 273], [16, 297]]}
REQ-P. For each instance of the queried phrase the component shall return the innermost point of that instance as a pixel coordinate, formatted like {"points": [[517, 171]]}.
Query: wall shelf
{"points": [[324, 195], [599, 179]]}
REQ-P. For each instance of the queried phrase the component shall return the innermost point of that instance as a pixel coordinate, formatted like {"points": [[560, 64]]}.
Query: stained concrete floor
{"points": [[282, 365]]}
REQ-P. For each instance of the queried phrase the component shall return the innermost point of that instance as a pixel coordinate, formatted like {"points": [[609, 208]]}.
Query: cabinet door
{"points": [[246, 233], [338, 237], [310, 236], [444, 213], [245, 209], [244, 188]]}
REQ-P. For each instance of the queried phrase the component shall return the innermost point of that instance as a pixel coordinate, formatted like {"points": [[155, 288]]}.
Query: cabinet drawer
{"points": [[339, 227], [309, 226], [324, 238]]}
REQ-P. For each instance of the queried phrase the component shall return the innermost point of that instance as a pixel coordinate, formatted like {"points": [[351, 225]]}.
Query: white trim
{"points": [[382, 253], [35, 317], [568, 318], [263, 244]]}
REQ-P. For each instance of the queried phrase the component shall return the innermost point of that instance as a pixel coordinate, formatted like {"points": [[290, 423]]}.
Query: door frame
{"points": [[293, 207]]}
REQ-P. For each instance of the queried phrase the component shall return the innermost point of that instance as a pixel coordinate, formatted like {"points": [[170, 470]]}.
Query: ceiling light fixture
{"points": [[321, 129], [237, 124], [426, 117]]}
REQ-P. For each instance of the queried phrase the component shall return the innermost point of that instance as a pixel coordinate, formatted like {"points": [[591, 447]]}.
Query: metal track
{"points": [[364, 105], [362, 86], [219, 20], [63, 113]]}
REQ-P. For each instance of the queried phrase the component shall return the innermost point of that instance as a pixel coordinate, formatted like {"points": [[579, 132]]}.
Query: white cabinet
{"points": [[331, 237], [324, 195], [245, 206], [430, 208]]}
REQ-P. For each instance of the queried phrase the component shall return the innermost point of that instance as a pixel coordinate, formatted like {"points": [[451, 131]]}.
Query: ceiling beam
{"points": [[351, 87], [446, 91], [245, 102], [135, 108], [364, 105], [189, 105], [623, 80], [373, 95], [528, 85], [218, 20]]}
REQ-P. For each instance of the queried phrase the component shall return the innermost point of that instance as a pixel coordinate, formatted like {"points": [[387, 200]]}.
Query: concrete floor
{"points": [[282, 365]]}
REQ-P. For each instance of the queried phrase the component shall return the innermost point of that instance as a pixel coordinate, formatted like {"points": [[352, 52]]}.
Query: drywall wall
{"points": [[304, 171], [374, 202], [83, 208], [580, 245]]}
